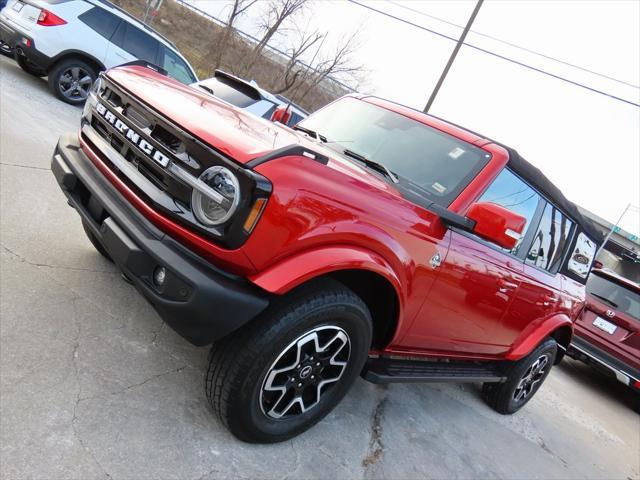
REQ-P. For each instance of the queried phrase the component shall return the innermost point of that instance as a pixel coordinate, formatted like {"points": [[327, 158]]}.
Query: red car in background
{"points": [[607, 334]]}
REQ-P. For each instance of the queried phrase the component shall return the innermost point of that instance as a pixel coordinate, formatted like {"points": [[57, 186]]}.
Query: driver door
{"points": [[478, 281]]}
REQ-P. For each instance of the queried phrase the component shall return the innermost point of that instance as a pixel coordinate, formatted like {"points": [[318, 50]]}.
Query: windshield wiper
{"points": [[206, 89], [372, 164], [605, 299], [311, 133]]}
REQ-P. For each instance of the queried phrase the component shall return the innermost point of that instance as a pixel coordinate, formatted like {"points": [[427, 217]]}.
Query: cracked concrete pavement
{"points": [[93, 386]]}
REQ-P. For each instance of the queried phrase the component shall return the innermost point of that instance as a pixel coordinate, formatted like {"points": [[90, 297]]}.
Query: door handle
{"points": [[506, 286], [547, 300]]}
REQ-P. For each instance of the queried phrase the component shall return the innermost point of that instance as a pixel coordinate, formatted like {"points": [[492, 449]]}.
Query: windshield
{"points": [[614, 295], [430, 163]]}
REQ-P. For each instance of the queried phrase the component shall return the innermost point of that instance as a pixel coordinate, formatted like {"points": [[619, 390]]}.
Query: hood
{"points": [[237, 134]]}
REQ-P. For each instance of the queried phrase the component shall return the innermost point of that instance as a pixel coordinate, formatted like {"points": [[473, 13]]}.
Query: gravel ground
{"points": [[92, 385]]}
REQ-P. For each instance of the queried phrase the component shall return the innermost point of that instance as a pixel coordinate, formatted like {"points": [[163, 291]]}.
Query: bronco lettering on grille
{"points": [[132, 136]]}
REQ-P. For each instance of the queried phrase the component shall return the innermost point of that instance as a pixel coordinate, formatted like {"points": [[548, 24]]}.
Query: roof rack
{"points": [[124, 12]]}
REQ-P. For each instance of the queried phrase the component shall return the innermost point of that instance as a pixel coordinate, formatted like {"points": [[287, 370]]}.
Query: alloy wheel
{"points": [[304, 372], [75, 83], [532, 376]]}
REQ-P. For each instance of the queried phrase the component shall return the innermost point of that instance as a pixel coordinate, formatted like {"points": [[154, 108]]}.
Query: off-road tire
{"points": [[59, 69], [96, 244], [500, 396], [240, 363], [28, 67]]}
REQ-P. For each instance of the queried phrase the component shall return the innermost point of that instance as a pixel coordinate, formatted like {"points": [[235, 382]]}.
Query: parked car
{"points": [[71, 41], [345, 246], [607, 334], [250, 97]]}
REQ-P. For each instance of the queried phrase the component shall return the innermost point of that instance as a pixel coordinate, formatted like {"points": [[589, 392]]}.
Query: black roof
{"points": [[547, 188]]}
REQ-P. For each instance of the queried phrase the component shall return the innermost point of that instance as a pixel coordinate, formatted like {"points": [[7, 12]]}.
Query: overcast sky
{"points": [[588, 144]]}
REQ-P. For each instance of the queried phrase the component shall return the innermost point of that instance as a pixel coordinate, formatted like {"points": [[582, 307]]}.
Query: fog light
{"points": [[159, 276]]}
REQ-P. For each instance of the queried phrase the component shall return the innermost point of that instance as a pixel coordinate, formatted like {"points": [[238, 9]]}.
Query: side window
{"points": [[508, 191], [175, 66], [136, 42], [550, 240], [101, 21], [582, 256]]}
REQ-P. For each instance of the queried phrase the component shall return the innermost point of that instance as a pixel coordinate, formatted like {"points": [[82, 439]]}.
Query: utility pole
{"points": [[613, 227], [453, 56]]}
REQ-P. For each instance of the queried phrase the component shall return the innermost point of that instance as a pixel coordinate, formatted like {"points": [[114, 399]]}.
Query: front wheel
{"points": [[278, 376], [524, 379]]}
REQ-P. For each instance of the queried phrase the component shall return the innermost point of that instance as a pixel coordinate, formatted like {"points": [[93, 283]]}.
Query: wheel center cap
{"points": [[305, 372]]}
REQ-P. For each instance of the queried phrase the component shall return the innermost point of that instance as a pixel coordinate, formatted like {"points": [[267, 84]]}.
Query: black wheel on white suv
{"points": [[281, 374], [70, 80], [524, 379]]}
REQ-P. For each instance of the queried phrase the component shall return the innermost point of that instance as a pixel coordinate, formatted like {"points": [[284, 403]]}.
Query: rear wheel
{"points": [[278, 376], [29, 67], [71, 80], [524, 378]]}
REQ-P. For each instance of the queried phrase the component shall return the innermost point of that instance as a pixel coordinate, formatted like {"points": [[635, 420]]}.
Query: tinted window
{"points": [[550, 239], [233, 92], [103, 22], [432, 163], [136, 42], [176, 67], [614, 295], [508, 191]]}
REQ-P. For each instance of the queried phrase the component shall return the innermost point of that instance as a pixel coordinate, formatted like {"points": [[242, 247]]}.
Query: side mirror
{"points": [[281, 114], [497, 224]]}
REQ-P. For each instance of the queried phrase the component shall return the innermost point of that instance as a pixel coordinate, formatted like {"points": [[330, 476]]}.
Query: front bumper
{"points": [[199, 301], [581, 349]]}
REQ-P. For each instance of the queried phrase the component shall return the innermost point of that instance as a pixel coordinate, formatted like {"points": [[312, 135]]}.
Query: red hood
{"points": [[240, 135]]}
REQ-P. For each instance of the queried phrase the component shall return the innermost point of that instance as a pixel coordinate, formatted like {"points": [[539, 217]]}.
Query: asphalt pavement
{"points": [[93, 385]]}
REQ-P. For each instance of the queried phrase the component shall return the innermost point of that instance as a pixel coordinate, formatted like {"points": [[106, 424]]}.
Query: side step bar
{"points": [[391, 370]]}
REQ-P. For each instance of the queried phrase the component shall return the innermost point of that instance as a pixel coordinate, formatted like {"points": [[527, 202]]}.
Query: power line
{"points": [[520, 47], [497, 55]]}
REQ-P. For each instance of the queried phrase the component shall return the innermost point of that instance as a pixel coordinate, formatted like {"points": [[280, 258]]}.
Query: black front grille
{"points": [[162, 189], [166, 138]]}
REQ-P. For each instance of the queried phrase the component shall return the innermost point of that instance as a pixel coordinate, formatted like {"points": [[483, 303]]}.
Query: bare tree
{"points": [[340, 63], [278, 11], [238, 8], [296, 71]]}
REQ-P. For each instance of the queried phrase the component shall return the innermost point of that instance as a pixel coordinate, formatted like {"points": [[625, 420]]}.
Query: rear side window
{"points": [[100, 21], [175, 66], [136, 42], [582, 256], [232, 92], [508, 191], [550, 240]]}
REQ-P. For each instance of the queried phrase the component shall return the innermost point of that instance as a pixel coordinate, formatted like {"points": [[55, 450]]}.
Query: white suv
{"points": [[71, 41]]}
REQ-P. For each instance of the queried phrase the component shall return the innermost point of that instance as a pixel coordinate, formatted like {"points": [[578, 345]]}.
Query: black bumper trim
{"points": [[199, 301]]}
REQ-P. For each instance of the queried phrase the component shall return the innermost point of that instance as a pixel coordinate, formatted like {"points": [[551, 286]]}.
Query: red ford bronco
{"points": [[370, 239]]}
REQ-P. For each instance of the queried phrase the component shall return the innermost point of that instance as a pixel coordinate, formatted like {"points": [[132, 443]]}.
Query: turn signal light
{"points": [[48, 19], [254, 214]]}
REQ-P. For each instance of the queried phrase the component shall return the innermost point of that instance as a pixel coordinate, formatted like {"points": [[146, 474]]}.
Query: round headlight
{"points": [[210, 210]]}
